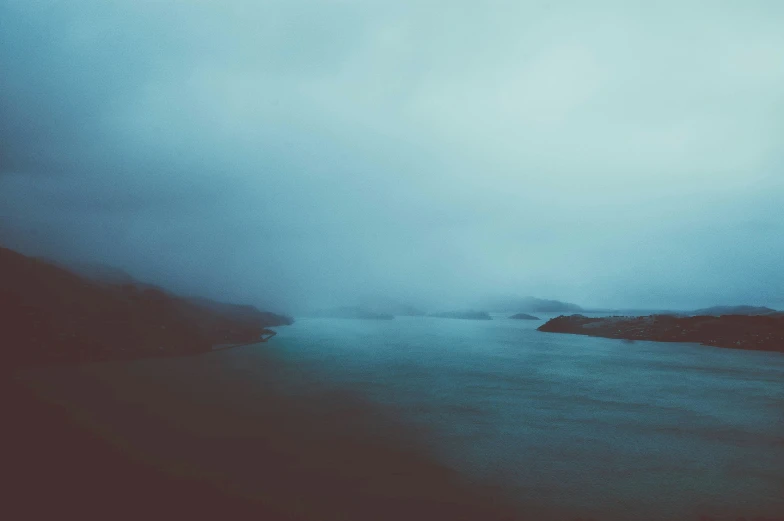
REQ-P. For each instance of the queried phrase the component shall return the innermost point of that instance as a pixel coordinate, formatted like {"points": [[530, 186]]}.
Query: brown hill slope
{"points": [[764, 333], [51, 315]]}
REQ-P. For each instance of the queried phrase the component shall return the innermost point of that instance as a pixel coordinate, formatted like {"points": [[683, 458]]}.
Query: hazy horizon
{"points": [[296, 153]]}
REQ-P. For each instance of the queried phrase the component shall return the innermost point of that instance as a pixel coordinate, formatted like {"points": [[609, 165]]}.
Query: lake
{"points": [[587, 427]]}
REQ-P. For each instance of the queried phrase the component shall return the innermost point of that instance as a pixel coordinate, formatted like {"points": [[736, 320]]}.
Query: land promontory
{"points": [[52, 315], [761, 332]]}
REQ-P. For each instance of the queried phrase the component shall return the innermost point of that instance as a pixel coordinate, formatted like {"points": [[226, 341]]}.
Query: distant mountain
{"points": [[468, 315], [351, 312], [717, 311], [528, 305]]}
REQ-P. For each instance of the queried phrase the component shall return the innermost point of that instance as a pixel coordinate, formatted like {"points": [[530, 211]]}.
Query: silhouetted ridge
{"points": [[52, 315]]}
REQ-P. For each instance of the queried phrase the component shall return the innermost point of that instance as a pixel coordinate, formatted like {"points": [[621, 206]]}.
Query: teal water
{"points": [[583, 427], [612, 430]]}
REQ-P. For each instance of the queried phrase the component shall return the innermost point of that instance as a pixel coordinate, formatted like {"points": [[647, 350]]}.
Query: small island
{"points": [[763, 333], [524, 316], [466, 315]]}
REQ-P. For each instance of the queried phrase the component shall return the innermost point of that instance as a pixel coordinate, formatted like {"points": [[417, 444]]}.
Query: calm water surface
{"points": [[599, 427], [615, 430]]}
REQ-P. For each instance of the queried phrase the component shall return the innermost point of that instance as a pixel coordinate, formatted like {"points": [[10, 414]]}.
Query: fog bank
{"points": [[297, 153]]}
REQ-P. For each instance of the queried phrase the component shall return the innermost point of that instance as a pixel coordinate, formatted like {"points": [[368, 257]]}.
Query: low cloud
{"points": [[303, 153]]}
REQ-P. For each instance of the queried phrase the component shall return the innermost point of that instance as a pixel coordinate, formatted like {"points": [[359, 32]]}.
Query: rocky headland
{"points": [[757, 332]]}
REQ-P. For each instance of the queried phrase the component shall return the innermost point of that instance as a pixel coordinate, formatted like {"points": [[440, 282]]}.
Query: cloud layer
{"points": [[303, 152]]}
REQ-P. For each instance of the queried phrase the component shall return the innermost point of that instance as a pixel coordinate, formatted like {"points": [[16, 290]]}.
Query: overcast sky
{"points": [[303, 152]]}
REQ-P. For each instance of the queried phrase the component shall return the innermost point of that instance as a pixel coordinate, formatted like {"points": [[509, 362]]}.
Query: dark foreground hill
{"points": [[51, 315], [765, 333]]}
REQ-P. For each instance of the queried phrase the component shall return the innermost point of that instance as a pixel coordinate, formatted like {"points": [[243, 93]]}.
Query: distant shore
{"points": [[294, 458], [762, 333]]}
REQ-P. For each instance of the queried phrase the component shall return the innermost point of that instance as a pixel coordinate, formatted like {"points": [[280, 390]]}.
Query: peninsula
{"points": [[763, 333]]}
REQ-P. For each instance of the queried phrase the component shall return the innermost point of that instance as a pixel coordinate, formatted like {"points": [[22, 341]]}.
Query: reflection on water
{"points": [[589, 426]]}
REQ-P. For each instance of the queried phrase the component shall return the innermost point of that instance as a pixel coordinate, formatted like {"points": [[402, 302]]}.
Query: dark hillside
{"points": [[51, 315], [764, 333]]}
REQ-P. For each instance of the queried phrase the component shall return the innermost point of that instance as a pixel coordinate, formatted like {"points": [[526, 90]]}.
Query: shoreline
{"points": [[222, 347], [746, 332]]}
